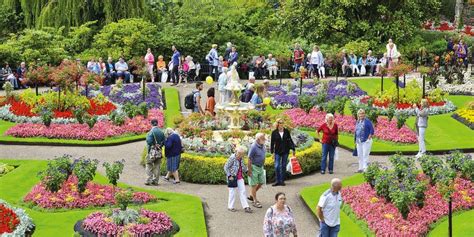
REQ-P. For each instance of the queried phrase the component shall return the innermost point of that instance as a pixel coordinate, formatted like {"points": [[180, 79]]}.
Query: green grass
{"points": [[462, 221], [186, 210], [462, 225], [173, 108], [311, 196]]}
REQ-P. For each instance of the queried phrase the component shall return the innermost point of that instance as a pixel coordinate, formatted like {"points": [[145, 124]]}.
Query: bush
{"points": [[430, 165], [372, 173], [84, 169], [56, 173], [210, 170], [113, 171], [383, 182]]}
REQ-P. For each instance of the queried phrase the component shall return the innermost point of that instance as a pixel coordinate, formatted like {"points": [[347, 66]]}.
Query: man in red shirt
{"points": [[298, 57]]}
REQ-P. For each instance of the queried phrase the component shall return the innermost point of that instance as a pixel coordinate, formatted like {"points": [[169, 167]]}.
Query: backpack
{"points": [[189, 101]]}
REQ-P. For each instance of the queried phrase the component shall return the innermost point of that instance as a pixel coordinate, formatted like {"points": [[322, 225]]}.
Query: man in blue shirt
{"points": [[233, 56], [152, 168], [371, 62], [175, 59], [213, 59]]}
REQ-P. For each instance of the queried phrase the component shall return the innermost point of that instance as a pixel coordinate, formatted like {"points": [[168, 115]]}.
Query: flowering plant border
{"points": [[435, 108], [25, 227]]}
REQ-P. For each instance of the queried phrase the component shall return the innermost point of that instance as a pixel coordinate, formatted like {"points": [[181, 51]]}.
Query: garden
{"points": [[404, 200], [69, 189]]}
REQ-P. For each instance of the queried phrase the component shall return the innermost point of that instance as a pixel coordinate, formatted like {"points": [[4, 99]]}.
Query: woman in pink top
{"points": [[150, 60]]}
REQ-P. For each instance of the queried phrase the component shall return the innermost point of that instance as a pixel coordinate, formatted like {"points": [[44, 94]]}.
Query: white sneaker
{"points": [[418, 155]]}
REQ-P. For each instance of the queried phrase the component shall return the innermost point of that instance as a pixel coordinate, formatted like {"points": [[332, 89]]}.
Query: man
{"points": [[251, 82], [328, 210], [122, 70], [298, 57], [93, 66], [176, 61], [21, 75], [213, 59], [353, 64], [152, 168], [222, 83], [110, 74], [255, 167], [272, 66], [280, 145], [197, 98], [233, 56], [7, 75], [371, 62], [228, 50]]}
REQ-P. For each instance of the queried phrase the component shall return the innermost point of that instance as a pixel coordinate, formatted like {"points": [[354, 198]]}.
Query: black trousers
{"points": [[174, 74]]}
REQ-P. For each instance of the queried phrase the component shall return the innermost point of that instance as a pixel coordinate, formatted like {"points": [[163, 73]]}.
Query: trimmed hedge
{"points": [[210, 170]]}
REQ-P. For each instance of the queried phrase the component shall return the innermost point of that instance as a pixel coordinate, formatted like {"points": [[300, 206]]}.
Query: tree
{"points": [[458, 13], [127, 38]]}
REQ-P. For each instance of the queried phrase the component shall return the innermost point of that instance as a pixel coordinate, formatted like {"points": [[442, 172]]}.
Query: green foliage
{"points": [[403, 166], [90, 120], [46, 115], [5, 169], [430, 165], [372, 172], [461, 163], [306, 102], [125, 217], [8, 87], [113, 171], [401, 119], [383, 182], [143, 109], [79, 115], [117, 118], [340, 104], [10, 22], [391, 111], [359, 47], [402, 197], [84, 169], [124, 198], [56, 173], [127, 38]]}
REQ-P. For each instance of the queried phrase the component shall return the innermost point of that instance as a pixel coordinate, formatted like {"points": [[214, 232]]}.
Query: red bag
{"points": [[295, 166]]}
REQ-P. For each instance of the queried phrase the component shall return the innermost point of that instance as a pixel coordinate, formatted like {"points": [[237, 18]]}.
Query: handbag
{"points": [[334, 142], [155, 151], [232, 181], [295, 166], [354, 152]]}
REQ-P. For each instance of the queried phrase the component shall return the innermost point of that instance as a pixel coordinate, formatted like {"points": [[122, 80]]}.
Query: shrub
{"points": [[84, 169], [117, 118], [403, 165], [123, 199], [90, 120], [372, 172], [210, 170], [461, 163], [429, 166], [46, 116], [56, 173], [79, 115], [383, 182], [143, 109], [401, 119], [306, 102], [113, 171]]}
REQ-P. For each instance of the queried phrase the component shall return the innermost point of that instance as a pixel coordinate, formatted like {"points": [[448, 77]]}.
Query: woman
{"points": [[234, 169], [364, 130], [101, 66], [257, 99], [150, 60], [279, 220], [211, 102], [173, 149], [362, 63], [329, 142], [280, 146], [392, 54], [382, 64], [161, 68], [421, 125]]}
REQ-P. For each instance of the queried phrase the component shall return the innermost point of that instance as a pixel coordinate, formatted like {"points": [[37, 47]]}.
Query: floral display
{"points": [[5, 169], [100, 131], [138, 223], [132, 93], [466, 88], [385, 220], [384, 129], [69, 197], [382, 107], [14, 221], [465, 116], [286, 96]]}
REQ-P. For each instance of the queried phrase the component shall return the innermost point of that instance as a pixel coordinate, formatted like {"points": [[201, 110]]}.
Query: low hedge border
{"points": [[210, 170]]}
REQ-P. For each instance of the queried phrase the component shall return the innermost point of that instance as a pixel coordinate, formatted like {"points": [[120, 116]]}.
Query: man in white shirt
{"points": [[272, 66], [122, 70], [329, 208]]}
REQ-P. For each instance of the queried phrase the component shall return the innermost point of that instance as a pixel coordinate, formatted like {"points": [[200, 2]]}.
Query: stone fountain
{"points": [[233, 109]]}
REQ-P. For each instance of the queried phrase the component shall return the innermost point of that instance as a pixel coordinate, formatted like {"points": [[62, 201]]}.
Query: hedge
{"points": [[210, 170]]}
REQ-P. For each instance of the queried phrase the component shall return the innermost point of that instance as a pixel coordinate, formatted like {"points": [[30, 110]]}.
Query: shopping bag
{"points": [[362, 70], [164, 77], [288, 167], [264, 177], [336, 154], [295, 166]]}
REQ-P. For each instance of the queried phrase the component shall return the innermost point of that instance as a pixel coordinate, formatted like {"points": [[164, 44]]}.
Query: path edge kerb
{"points": [[434, 152], [308, 208]]}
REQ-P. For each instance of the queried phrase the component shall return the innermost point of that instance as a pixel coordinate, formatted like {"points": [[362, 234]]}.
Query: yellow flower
{"points": [[403, 227], [86, 192], [463, 192], [69, 198], [53, 199], [467, 198], [374, 200], [389, 216], [98, 196], [38, 196]]}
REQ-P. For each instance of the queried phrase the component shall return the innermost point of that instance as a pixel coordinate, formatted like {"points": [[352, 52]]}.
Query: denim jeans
{"points": [[124, 75], [297, 66], [327, 231], [280, 167], [328, 148]]}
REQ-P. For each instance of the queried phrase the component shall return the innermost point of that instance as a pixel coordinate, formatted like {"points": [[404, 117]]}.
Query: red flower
{"points": [[8, 220]]}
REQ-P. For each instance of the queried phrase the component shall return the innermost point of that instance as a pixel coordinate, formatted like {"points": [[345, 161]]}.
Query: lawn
{"points": [[173, 108], [186, 210], [462, 222]]}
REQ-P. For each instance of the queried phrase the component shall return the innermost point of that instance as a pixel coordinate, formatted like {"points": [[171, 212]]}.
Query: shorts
{"points": [[257, 176]]}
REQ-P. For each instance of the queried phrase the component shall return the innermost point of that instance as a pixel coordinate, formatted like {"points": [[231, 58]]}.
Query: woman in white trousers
{"points": [[421, 125], [235, 169], [364, 131]]}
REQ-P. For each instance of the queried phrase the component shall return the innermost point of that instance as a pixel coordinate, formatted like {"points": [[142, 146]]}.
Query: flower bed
{"points": [[5, 169], [465, 116], [68, 196], [140, 223], [467, 88], [384, 129], [286, 96], [441, 107], [132, 93], [101, 130], [385, 220], [14, 221]]}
